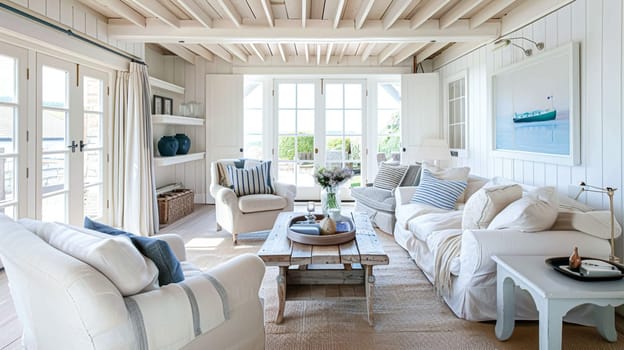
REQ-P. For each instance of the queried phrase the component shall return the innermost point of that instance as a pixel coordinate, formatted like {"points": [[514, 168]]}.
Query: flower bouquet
{"points": [[329, 180]]}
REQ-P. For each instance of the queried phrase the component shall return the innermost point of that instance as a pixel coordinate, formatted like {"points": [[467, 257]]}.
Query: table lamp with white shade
{"points": [[432, 150]]}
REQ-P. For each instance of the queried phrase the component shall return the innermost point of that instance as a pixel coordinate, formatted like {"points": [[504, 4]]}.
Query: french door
{"points": [[318, 122]]}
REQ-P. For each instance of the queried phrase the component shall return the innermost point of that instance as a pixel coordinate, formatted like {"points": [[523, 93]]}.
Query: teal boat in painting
{"points": [[535, 116]]}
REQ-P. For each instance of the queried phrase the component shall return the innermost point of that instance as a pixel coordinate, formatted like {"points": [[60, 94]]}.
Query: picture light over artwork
{"points": [[500, 43]]}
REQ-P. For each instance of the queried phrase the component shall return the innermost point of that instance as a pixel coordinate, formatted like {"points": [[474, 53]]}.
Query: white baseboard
{"points": [[200, 198]]}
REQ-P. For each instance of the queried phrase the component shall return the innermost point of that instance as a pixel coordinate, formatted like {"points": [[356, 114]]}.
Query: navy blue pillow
{"points": [[159, 251]]}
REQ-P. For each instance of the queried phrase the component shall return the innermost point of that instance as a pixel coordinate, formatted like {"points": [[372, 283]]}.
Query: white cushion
{"points": [[596, 223], [406, 212], [455, 174], [537, 211], [114, 256], [422, 226], [486, 203], [261, 202]]}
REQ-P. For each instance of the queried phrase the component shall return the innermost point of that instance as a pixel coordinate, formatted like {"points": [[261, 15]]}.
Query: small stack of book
{"points": [[598, 268]]}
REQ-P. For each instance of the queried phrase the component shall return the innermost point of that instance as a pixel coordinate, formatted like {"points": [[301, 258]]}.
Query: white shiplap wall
{"points": [[597, 26]]}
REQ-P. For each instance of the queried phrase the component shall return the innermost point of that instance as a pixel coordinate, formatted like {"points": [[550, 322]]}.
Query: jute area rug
{"points": [[408, 315]]}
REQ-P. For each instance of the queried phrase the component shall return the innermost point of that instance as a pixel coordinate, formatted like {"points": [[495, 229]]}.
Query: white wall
{"points": [[597, 26]]}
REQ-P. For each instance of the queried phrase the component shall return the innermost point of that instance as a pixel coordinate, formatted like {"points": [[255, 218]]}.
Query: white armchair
{"points": [[247, 213], [64, 303]]}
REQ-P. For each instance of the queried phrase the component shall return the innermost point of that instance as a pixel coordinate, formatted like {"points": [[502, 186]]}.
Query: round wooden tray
{"points": [[337, 238]]}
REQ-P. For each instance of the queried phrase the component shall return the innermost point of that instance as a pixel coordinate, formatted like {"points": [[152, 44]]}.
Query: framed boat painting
{"points": [[535, 108]]}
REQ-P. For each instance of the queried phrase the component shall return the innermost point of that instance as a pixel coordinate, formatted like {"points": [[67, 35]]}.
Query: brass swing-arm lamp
{"points": [[609, 191], [500, 43]]}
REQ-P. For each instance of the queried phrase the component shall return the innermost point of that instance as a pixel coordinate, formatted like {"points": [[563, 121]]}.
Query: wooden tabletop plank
{"points": [[277, 249], [370, 248], [301, 254], [325, 254], [349, 253]]}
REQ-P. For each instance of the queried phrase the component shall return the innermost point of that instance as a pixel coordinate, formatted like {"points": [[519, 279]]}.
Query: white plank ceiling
{"points": [[322, 31]]}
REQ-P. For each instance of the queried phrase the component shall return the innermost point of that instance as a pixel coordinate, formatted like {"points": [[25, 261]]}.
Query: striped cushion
{"points": [[438, 193], [389, 176], [256, 180]]}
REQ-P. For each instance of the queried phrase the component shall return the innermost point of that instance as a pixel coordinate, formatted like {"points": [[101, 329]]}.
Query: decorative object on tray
{"points": [[168, 146], [328, 226], [311, 217], [609, 191], [590, 269], [184, 143], [330, 181], [302, 231], [575, 260]]}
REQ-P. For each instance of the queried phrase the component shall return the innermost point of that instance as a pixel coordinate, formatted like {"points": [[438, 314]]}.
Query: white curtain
{"points": [[135, 208]]}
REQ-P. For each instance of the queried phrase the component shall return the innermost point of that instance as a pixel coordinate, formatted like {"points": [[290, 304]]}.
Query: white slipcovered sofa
{"points": [[422, 229], [65, 303]]}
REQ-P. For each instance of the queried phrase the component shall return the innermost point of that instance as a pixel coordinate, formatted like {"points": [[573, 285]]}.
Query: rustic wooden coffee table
{"points": [[344, 270]]}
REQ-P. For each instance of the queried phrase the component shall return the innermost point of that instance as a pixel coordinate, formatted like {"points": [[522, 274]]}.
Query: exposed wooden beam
{"points": [[407, 51], [220, 52], [181, 52], [330, 48], [230, 12], [305, 8], [236, 51], [281, 51], [196, 12], [389, 51], [339, 9], [459, 10], [367, 51], [426, 11], [487, 12], [291, 31], [318, 54], [342, 52], [428, 51], [256, 51], [528, 12], [454, 52], [268, 12], [394, 11], [124, 11], [307, 53], [157, 10], [362, 14], [200, 51]]}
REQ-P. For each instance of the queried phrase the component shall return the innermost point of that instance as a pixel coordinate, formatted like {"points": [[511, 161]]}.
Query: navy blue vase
{"points": [[184, 143], [168, 146]]}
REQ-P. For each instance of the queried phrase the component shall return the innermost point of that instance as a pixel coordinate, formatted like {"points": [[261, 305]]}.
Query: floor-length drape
{"points": [[134, 192]]}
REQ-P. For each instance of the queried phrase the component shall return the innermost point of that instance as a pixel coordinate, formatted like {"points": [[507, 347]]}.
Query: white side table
{"points": [[554, 295]]}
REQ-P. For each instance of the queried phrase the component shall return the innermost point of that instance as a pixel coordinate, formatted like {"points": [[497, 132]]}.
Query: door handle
{"points": [[404, 149], [316, 151], [82, 145], [73, 146]]}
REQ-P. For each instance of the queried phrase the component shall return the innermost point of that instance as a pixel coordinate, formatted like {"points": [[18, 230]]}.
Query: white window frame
{"points": [[456, 152]]}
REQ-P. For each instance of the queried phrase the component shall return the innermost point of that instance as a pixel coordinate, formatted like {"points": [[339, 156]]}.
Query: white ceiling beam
{"points": [[307, 53], [124, 11], [454, 52], [487, 12], [196, 12], [394, 11], [342, 52], [231, 12], [181, 52], [528, 12], [367, 51], [200, 51], [459, 10], [426, 11], [389, 51], [257, 52], [157, 10], [281, 51], [428, 51], [236, 51], [330, 48], [220, 52], [363, 12], [407, 51], [291, 31], [339, 10], [305, 8], [318, 54], [268, 12]]}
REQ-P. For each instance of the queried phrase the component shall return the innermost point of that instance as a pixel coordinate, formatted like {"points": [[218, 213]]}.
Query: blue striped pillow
{"points": [[256, 180], [437, 192]]}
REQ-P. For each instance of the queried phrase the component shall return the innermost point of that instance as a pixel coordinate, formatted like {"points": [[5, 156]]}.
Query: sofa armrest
{"points": [[478, 246], [176, 243], [288, 191], [404, 194]]}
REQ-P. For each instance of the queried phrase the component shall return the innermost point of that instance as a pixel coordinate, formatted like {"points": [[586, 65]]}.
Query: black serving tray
{"points": [[564, 260]]}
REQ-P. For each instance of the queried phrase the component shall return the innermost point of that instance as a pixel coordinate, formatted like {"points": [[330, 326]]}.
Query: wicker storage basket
{"points": [[174, 205]]}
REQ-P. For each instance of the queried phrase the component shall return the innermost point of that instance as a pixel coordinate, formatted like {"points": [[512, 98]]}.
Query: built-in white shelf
{"points": [[176, 119], [165, 85], [165, 161]]}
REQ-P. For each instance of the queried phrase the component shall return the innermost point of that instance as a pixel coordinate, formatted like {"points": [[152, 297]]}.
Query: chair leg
{"points": [[234, 238], [219, 228]]}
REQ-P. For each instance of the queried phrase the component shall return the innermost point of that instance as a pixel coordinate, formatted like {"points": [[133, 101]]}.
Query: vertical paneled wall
{"points": [[597, 26]]}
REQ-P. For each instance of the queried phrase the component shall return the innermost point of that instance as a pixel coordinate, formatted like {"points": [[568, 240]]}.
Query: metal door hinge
{"points": [[77, 75], [107, 204], [108, 91], [273, 92], [27, 173], [27, 73], [27, 135], [366, 92]]}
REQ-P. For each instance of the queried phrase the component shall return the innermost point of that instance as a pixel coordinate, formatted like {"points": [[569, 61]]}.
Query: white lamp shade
{"points": [[433, 149]]}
